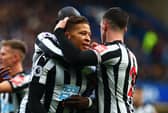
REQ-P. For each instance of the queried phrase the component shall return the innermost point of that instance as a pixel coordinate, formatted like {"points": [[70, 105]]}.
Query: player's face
{"points": [[80, 36], [7, 56]]}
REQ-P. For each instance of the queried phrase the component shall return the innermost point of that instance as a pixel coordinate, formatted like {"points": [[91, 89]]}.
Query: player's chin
{"points": [[85, 48]]}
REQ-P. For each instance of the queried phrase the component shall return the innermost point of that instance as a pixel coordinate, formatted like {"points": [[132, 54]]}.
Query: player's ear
{"points": [[16, 57], [104, 25], [67, 34]]}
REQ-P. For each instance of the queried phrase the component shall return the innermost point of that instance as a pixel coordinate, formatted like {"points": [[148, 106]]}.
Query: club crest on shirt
{"points": [[37, 71]]}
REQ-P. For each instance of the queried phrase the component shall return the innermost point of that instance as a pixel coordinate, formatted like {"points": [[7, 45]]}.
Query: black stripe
{"points": [[111, 54], [79, 76], [50, 53], [60, 108], [27, 108], [42, 61], [66, 77], [126, 83], [107, 94], [116, 82], [47, 50], [49, 88], [54, 41], [98, 73], [116, 72]]}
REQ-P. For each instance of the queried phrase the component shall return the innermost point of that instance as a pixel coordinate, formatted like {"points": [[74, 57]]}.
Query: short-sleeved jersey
{"points": [[117, 76], [53, 79], [9, 102]]}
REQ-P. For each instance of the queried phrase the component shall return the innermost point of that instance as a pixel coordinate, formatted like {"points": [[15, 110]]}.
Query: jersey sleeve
{"points": [[19, 82], [48, 43], [110, 54], [73, 54], [37, 85]]}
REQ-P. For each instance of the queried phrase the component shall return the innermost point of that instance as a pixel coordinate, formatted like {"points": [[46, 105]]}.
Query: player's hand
{"points": [[61, 23], [77, 102]]}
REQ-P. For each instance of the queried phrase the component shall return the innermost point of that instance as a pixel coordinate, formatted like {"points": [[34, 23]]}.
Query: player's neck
{"points": [[113, 36], [16, 69]]}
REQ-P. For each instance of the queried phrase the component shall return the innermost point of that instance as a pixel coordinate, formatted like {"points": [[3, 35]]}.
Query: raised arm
{"points": [[47, 42], [73, 54]]}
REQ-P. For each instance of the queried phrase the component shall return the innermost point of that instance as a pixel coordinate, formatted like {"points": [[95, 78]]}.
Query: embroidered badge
{"points": [[37, 71]]}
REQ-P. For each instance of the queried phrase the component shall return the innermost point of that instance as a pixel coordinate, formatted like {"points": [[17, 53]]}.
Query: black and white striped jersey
{"points": [[9, 102], [117, 78], [52, 80], [118, 72]]}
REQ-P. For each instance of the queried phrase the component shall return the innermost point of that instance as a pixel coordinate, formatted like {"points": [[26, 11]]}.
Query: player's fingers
{"points": [[66, 19]]}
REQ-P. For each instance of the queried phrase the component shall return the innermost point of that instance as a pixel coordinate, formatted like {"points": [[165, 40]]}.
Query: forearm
{"points": [[35, 94], [72, 53]]}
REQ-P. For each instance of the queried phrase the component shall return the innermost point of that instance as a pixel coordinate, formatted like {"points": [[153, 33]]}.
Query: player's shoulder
{"points": [[45, 34]]}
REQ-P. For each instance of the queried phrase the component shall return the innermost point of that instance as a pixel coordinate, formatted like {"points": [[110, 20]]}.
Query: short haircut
{"points": [[117, 17], [17, 45], [74, 20]]}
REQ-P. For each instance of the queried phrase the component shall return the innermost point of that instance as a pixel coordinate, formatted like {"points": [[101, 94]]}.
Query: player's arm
{"points": [[73, 54], [15, 84], [47, 43], [36, 89], [5, 86]]}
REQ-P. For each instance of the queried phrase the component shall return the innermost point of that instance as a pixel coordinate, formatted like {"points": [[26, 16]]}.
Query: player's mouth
{"points": [[86, 46]]}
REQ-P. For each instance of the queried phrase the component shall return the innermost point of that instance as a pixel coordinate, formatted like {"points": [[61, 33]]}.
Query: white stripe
{"points": [[83, 85], [112, 61], [47, 67], [100, 95], [98, 57], [110, 49], [122, 107], [52, 47], [59, 75], [73, 76], [48, 43], [22, 108], [122, 72], [53, 106]]}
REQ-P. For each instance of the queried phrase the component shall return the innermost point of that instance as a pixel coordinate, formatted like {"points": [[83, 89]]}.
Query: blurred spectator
{"points": [[13, 78], [139, 105]]}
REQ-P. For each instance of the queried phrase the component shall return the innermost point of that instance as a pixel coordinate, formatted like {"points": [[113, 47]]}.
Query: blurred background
{"points": [[147, 34]]}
